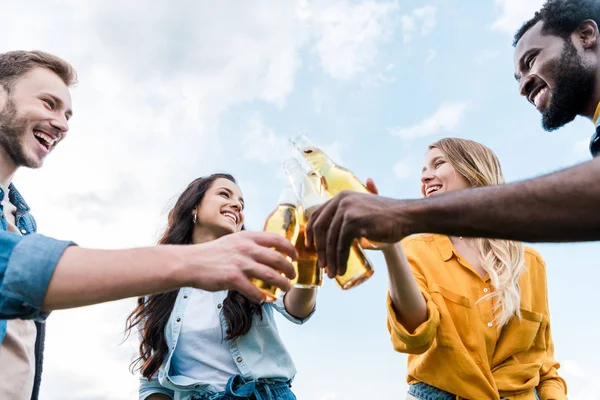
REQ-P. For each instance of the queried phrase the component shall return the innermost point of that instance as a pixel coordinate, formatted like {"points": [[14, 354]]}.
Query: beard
{"points": [[12, 132], [574, 84]]}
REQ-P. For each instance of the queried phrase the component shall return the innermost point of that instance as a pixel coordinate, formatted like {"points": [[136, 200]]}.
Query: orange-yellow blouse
{"points": [[459, 348]]}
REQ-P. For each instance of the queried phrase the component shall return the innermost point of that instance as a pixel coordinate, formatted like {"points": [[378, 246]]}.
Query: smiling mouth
{"points": [[536, 96], [230, 215], [45, 140], [432, 189]]}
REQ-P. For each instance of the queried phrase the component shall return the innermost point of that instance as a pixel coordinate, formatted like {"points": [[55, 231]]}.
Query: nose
{"points": [[60, 123], [526, 85], [236, 205], [426, 176]]}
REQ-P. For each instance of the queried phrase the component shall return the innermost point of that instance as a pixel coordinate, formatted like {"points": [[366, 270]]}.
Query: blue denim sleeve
{"points": [[26, 266], [279, 305]]}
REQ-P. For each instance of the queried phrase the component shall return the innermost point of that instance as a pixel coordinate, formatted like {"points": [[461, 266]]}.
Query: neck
{"points": [[8, 168], [203, 235]]}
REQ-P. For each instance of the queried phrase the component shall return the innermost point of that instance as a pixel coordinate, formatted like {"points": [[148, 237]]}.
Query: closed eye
{"points": [[49, 103]]}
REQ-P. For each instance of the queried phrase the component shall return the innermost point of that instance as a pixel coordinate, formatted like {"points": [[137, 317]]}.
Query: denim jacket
{"points": [[26, 265], [258, 354]]}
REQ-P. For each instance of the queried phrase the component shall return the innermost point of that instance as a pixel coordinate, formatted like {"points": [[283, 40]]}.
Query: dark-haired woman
{"points": [[213, 346]]}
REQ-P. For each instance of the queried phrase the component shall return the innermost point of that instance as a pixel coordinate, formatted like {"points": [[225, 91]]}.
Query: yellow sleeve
{"points": [[551, 386], [421, 339]]}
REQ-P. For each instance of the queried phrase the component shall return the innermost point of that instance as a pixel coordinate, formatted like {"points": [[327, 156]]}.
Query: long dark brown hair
{"points": [[152, 312]]}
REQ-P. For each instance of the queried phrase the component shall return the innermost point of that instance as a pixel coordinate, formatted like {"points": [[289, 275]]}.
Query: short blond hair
{"points": [[15, 64]]}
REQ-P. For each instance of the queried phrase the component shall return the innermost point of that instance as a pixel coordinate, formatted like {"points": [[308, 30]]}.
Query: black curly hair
{"points": [[562, 17]]}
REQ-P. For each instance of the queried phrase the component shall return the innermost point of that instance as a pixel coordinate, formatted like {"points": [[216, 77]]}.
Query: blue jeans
{"points": [[237, 388], [423, 391]]}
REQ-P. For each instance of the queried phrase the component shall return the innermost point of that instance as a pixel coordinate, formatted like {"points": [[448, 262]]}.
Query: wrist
{"points": [[177, 264], [410, 217]]}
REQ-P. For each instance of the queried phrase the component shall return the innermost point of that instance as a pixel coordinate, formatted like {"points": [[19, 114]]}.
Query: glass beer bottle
{"points": [[334, 178], [359, 267], [282, 221]]}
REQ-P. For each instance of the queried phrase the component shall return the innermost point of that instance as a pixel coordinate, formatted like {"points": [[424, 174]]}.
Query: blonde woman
{"points": [[471, 313]]}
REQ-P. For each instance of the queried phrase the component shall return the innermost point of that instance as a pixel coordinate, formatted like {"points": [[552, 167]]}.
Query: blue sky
{"points": [[169, 93]]}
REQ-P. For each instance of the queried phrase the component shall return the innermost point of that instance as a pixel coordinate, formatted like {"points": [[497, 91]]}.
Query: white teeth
{"points": [[231, 215], [46, 138], [432, 189], [537, 96]]}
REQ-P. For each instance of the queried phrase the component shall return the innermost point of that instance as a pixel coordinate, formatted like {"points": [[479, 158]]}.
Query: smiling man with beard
{"points": [[39, 274], [557, 65]]}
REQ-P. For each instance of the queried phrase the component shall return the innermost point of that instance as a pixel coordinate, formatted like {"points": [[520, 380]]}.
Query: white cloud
{"points": [[348, 34], [513, 13], [404, 169], [582, 380], [261, 143], [423, 17], [445, 118]]}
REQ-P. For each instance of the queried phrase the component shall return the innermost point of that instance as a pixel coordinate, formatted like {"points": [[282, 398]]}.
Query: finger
{"points": [[309, 237], [268, 275], [371, 187], [316, 230], [274, 260], [273, 240], [332, 242], [346, 238], [245, 287], [319, 231]]}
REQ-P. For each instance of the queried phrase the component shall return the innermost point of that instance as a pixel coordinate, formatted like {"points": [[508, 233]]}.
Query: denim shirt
{"points": [[258, 354], [26, 265]]}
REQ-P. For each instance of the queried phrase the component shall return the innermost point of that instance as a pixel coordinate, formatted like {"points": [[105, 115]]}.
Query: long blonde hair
{"points": [[503, 260]]}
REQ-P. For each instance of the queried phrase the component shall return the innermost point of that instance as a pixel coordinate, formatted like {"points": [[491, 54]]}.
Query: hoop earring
{"points": [[195, 218]]}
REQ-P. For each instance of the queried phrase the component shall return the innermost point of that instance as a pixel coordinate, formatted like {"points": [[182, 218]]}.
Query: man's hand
{"points": [[231, 261], [349, 216]]}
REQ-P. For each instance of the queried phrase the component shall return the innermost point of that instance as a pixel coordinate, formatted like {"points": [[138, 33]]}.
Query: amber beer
{"points": [[308, 190], [334, 178], [308, 273], [283, 221]]}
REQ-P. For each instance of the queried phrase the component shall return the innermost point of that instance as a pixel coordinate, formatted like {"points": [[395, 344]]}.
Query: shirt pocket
{"points": [[518, 336], [267, 315], [455, 321]]}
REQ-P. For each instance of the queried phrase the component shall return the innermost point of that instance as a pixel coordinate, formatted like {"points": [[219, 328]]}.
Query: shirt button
{"points": [[24, 305], [490, 324], [178, 319], [219, 305], [239, 359], [185, 297], [23, 231], [485, 290]]}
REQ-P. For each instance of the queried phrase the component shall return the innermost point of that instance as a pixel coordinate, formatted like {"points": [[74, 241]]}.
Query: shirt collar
{"points": [[444, 246]]}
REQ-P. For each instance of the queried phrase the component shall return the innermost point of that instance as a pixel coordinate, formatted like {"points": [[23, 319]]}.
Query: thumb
{"points": [[371, 186]]}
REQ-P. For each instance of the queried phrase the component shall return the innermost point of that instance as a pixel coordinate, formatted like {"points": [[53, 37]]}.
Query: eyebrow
{"points": [[241, 199], [60, 103]]}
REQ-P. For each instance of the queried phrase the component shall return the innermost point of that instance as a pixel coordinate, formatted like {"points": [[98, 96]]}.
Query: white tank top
{"points": [[202, 352]]}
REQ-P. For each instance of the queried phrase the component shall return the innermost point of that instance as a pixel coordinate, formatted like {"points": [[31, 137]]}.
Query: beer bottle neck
{"points": [[288, 196]]}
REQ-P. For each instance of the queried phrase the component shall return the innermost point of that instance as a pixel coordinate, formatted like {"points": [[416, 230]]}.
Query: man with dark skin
{"points": [[557, 67]]}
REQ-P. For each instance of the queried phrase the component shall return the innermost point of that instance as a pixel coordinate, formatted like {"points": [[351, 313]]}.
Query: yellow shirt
{"points": [[459, 349]]}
